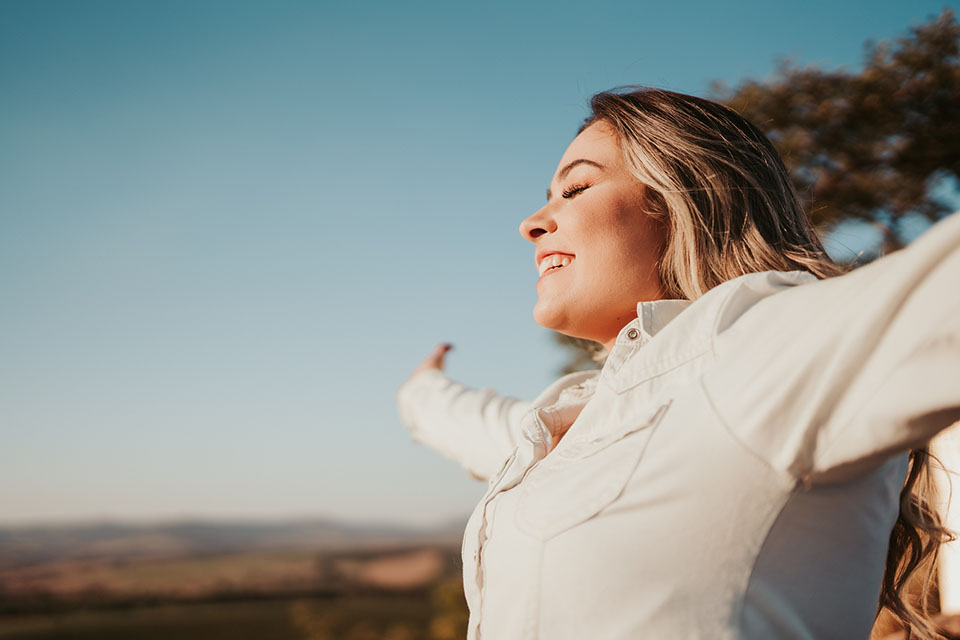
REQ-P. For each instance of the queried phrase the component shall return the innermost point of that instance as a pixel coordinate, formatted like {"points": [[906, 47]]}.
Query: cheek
{"points": [[626, 263], [619, 253], [639, 238]]}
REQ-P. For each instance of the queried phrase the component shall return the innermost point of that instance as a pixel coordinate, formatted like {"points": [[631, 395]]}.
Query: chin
{"points": [[549, 317], [556, 320]]}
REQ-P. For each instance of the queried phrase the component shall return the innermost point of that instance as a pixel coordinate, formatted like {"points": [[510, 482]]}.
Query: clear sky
{"points": [[228, 230]]}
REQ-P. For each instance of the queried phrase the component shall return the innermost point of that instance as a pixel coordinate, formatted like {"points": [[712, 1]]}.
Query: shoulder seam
{"points": [[730, 432]]}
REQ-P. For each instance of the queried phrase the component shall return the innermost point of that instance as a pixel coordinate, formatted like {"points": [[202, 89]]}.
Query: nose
{"points": [[538, 224]]}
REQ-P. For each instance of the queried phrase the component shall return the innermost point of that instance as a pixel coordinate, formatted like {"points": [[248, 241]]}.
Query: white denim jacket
{"points": [[733, 471]]}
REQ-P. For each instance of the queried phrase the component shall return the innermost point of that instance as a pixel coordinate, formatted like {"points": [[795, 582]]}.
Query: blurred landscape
{"points": [[310, 579]]}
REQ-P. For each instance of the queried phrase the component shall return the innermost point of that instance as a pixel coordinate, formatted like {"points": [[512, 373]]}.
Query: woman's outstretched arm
{"points": [[828, 379], [476, 428]]}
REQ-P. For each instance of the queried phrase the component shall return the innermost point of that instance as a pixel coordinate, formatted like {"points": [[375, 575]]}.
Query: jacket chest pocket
{"points": [[509, 475], [565, 490]]}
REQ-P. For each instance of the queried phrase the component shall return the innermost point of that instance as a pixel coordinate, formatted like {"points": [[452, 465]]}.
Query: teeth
{"points": [[552, 261]]}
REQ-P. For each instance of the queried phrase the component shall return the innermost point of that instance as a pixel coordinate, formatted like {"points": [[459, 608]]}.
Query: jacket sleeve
{"points": [[828, 379], [476, 428]]}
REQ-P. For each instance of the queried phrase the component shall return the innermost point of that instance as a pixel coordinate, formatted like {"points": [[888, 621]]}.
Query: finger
{"points": [[439, 352], [434, 359]]}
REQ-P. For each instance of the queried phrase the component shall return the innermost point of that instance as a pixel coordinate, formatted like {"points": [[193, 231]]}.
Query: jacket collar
{"points": [[652, 317], [667, 337]]}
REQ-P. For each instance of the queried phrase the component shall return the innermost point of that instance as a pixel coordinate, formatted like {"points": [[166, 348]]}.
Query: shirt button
{"points": [[633, 334]]}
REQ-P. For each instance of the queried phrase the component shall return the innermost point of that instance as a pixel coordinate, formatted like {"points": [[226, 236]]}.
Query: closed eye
{"points": [[572, 191]]}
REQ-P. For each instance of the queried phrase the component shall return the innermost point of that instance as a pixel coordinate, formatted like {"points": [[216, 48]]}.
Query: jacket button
{"points": [[633, 334]]}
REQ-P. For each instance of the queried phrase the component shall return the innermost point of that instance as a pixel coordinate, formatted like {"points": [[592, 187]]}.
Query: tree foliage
{"points": [[867, 145]]}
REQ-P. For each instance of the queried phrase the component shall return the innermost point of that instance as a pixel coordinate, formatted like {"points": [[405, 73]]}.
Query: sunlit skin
{"points": [[595, 215], [595, 218]]}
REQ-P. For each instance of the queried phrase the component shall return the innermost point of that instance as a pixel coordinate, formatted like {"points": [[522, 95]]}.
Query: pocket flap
{"points": [[563, 491]]}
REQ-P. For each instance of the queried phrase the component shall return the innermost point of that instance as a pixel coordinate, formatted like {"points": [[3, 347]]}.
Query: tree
{"points": [[865, 146]]}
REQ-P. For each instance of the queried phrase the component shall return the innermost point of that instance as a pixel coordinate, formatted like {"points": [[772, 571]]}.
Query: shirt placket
{"points": [[537, 442]]}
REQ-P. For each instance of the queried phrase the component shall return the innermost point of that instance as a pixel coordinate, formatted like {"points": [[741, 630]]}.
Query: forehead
{"points": [[598, 142]]}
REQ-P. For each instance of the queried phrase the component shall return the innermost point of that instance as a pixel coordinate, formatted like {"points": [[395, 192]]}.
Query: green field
{"points": [[353, 618], [380, 590]]}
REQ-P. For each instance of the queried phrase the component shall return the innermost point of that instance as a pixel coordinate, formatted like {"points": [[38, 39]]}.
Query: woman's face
{"points": [[595, 229]]}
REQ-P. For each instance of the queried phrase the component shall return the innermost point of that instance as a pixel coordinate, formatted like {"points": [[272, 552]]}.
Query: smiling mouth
{"points": [[553, 262]]}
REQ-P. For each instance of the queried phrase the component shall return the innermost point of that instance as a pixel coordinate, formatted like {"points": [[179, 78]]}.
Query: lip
{"points": [[543, 254], [547, 274]]}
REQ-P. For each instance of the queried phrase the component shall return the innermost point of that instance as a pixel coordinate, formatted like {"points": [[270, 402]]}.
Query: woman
{"points": [[735, 468]]}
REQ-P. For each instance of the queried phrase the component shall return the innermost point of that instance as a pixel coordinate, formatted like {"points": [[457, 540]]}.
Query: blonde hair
{"points": [[729, 208], [717, 183]]}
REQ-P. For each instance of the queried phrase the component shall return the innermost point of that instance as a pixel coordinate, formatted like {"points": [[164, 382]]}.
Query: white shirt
{"points": [[733, 471]]}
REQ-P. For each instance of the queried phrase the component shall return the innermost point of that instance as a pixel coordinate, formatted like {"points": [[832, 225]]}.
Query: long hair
{"points": [[722, 192], [908, 580]]}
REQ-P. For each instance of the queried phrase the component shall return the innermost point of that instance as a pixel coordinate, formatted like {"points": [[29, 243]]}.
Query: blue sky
{"points": [[228, 230]]}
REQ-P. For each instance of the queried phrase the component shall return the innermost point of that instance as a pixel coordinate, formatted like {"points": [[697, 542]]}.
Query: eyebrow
{"points": [[569, 167]]}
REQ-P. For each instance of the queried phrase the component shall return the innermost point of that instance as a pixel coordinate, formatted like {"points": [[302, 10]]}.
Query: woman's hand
{"points": [[434, 360]]}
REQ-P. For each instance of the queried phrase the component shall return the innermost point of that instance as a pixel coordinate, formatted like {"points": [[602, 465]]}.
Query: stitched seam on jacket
{"points": [[770, 523], [659, 368], [730, 432], [721, 309]]}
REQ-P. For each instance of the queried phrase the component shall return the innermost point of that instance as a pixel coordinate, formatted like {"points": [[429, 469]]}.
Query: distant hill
{"points": [[24, 546]]}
